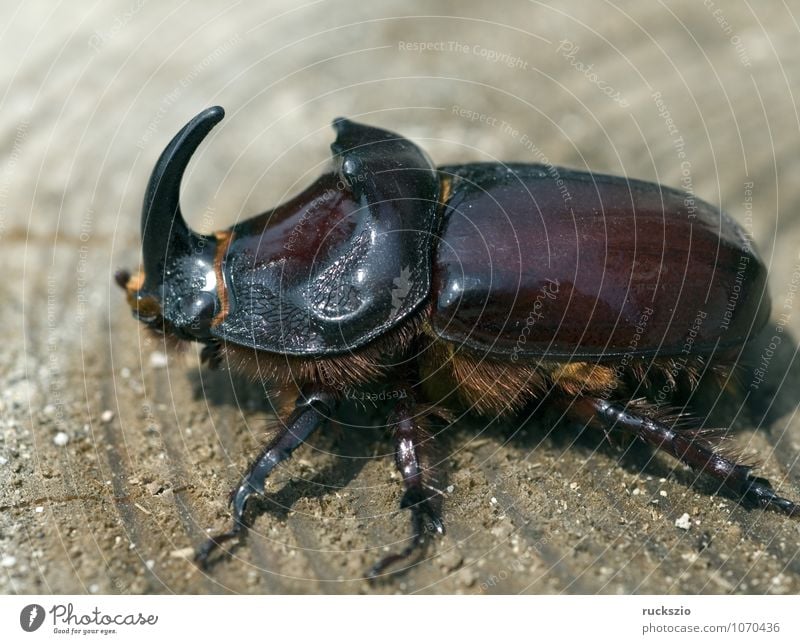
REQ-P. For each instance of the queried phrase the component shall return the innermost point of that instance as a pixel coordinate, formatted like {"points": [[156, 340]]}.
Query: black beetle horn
{"points": [[164, 232]]}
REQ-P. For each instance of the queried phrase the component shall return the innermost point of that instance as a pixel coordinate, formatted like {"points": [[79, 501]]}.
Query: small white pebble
{"points": [[450, 489], [3, 460], [61, 439], [573, 486], [150, 564], [636, 492], [39, 509], [107, 416], [182, 553], [493, 501], [158, 360], [94, 588], [663, 493], [125, 372], [8, 561], [683, 522]]}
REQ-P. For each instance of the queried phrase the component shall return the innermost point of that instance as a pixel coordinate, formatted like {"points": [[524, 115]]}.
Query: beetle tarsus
{"points": [[425, 521], [311, 410], [421, 506], [687, 446], [758, 492], [420, 497]]}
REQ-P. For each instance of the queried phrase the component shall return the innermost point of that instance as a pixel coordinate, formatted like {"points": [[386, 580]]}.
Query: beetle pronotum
{"points": [[485, 285]]}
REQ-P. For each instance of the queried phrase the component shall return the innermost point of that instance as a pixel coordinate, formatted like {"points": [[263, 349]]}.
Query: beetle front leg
{"points": [[686, 445], [311, 410], [420, 496]]}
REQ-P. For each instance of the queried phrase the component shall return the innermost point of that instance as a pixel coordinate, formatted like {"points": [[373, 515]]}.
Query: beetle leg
{"points": [[686, 446], [310, 411], [420, 496]]}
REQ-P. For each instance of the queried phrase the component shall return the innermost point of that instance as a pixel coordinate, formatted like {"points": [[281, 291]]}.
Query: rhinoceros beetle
{"points": [[485, 285]]}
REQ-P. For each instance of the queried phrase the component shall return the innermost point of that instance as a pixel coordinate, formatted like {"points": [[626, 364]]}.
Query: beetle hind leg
{"points": [[420, 496], [691, 447]]}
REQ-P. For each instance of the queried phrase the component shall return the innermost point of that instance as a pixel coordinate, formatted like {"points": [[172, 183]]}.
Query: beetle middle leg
{"points": [[420, 496], [688, 446], [311, 410]]}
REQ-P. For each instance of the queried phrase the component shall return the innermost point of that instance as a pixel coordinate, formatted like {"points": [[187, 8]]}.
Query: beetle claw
{"points": [[238, 498], [425, 521], [758, 492], [421, 505]]}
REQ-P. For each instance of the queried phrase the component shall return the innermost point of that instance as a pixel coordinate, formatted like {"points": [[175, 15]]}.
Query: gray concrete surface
{"points": [[115, 463]]}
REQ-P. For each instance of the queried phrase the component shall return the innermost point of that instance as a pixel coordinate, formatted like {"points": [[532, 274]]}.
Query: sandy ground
{"points": [[114, 461]]}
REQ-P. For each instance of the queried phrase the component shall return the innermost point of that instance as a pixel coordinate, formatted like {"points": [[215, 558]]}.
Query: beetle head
{"points": [[175, 292]]}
